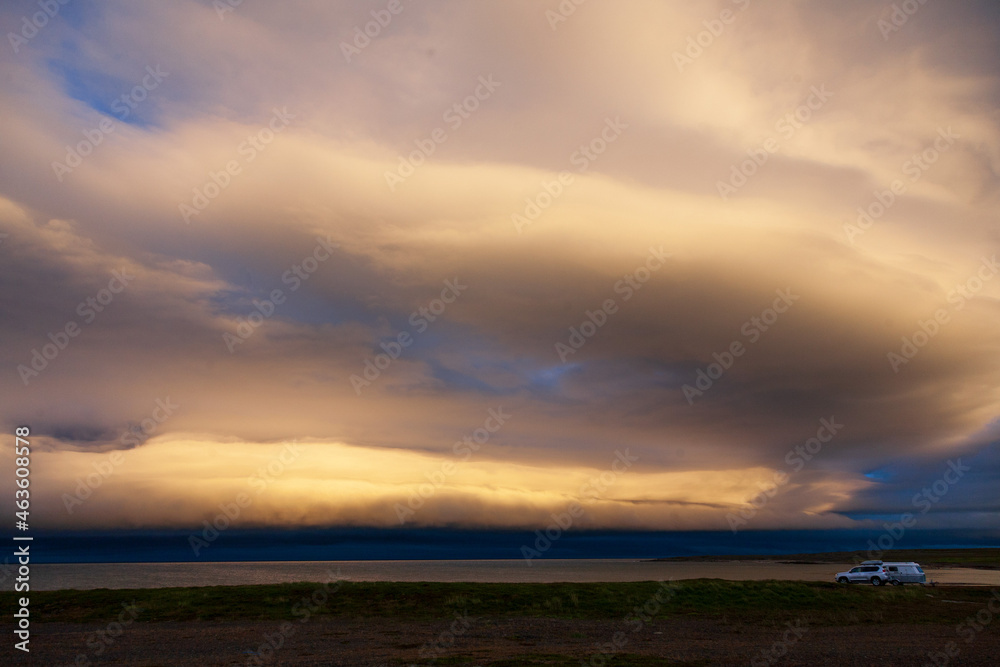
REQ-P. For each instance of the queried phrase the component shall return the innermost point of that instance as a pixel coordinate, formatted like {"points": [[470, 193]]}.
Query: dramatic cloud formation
{"points": [[467, 264]]}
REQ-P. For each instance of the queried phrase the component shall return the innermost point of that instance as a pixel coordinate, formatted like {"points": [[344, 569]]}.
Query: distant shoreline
{"points": [[975, 558]]}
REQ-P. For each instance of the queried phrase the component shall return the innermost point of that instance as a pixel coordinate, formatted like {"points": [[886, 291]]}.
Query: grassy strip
{"points": [[764, 602]]}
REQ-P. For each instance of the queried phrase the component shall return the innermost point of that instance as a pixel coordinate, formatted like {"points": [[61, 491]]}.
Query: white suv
{"points": [[872, 572]]}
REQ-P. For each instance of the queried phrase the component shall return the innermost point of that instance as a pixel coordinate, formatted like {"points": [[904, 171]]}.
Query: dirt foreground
{"points": [[630, 624], [507, 641]]}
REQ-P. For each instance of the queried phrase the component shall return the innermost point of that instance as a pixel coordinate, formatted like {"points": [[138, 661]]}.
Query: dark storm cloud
{"points": [[359, 266]]}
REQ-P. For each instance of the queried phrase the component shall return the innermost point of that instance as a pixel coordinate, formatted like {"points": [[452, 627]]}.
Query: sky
{"points": [[633, 265]]}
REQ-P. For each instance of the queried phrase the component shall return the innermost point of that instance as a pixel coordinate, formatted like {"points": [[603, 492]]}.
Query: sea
{"points": [[83, 576], [237, 556]]}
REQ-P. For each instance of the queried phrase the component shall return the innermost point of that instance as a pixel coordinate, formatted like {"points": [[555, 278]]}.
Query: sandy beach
{"points": [[154, 575]]}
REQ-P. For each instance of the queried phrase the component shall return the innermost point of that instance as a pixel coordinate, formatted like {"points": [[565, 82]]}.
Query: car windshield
{"points": [[857, 569], [920, 570]]}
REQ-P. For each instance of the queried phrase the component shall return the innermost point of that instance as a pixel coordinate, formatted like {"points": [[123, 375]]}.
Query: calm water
{"points": [[160, 575]]}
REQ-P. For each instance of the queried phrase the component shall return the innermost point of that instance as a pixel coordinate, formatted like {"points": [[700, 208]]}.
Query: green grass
{"points": [[759, 602]]}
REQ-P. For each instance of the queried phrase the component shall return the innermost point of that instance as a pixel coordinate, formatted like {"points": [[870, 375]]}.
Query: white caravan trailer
{"points": [[905, 573]]}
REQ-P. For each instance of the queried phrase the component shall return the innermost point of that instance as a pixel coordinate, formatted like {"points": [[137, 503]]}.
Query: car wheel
{"points": [[897, 582], [843, 580], [876, 581]]}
